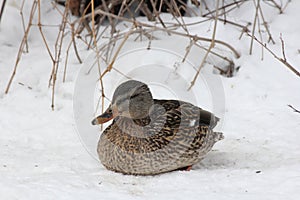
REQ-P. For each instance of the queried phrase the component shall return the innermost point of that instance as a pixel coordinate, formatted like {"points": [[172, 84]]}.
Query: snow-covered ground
{"points": [[43, 155]]}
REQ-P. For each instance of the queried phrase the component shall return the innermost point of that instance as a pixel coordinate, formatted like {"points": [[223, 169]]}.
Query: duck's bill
{"points": [[101, 119]]}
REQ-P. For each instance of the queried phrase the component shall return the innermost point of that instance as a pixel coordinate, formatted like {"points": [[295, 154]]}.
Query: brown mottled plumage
{"points": [[150, 136]]}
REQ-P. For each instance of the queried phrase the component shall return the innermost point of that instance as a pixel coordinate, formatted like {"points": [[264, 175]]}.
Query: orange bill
{"points": [[105, 117]]}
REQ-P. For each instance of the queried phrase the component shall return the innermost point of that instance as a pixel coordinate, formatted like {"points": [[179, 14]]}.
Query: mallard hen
{"points": [[151, 136]]}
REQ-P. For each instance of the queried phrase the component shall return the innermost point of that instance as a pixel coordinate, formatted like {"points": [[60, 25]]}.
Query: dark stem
{"points": [[2, 9], [294, 109]]}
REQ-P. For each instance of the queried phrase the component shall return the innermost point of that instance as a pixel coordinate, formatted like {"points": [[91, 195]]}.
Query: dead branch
{"points": [[2, 9], [286, 4], [282, 60], [282, 48], [212, 45], [23, 43], [41, 31], [276, 5], [146, 25], [265, 25], [188, 49], [74, 44], [244, 30], [235, 4], [97, 51], [294, 109], [92, 15], [260, 36], [110, 66], [254, 25], [23, 24], [58, 48]]}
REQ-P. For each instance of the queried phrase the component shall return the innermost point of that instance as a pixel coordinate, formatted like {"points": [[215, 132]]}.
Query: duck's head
{"points": [[131, 99]]}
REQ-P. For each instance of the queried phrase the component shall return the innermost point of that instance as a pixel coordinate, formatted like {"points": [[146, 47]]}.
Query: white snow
{"points": [[45, 154]]}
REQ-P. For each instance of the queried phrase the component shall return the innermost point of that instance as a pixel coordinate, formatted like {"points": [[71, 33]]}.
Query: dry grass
{"points": [[91, 20]]}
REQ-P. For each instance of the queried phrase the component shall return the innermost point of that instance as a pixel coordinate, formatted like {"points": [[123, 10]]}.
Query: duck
{"points": [[152, 136]]}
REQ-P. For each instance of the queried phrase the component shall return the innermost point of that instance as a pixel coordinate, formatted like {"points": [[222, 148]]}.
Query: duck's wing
{"points": [[187, 111], [208, 118]]}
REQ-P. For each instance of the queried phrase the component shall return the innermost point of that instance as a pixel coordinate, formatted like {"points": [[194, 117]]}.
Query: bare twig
{"points": [[110, 51], [23, 24], [110, 66], [58, 48], [254, 24], [156, 13], [41, 31], [2, 9], [265, 25], [261, 37], [294, 109], [67, 52], [212, 45], [244, 30], [66, 62], [277, 6], [282, 60], [284, 7], [188, 49], [23, 43], [235, 4], [142, 24], [94, 38], [74, 44], [214, 53], [282, 48]]}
